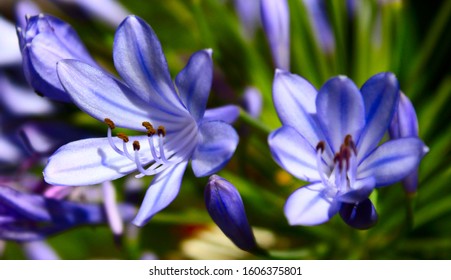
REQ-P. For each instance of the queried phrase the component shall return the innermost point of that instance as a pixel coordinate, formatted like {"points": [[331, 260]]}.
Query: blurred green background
{"points": [[409, 38]]}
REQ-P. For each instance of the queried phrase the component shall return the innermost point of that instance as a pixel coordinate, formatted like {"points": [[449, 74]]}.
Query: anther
{"points": [[350, 143], [161, 131], [123, 137], [321, 146], [110, 123], [136, 145], [150, 130]]}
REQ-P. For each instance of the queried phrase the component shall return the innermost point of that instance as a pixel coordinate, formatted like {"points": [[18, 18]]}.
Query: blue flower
{"points": [[28, 217], [330, 138], [276, 23], [226, 208], [405, 124], [176, 125], [44, 41]]}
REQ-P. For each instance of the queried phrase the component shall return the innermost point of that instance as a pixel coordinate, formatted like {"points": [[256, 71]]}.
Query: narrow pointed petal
{"points": [[227, 114], [340, 110], [361, 190], [10, 154], [294, 100], [252, 101], [276, 23], [89, 162], [393, 160], [140, 61], [162, 191], [102, 96], [39, 250], [218, 143], [294, 154], [380, 96], [24, 9], [361, 215], [225, 206], [194, 83], [309, 206], [405, 121], [30, 206], [111, 208], [322, 29]]}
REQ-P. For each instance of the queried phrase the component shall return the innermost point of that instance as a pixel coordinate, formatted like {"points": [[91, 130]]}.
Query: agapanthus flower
{"points": [[330, 138], [173, 117], [276, 24], [44, 41], [225, 206], [28, 217], [405, 124]]}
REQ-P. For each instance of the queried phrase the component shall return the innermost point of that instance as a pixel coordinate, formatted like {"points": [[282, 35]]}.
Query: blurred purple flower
{"points": [[39, 250], [226, 208], [44, 41], [253, 101], [28, 217], [148, 97], [330, 138], [405, 124], [276, 23], [322, 29], [10, 51], [249, 15]]}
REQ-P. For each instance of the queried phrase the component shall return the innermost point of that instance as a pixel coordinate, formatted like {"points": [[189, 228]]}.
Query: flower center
{"points": [[158, 160], [344, 167]]}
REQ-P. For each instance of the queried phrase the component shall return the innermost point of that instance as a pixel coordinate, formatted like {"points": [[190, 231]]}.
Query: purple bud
{"points": [[276, 23], [45, 41], [226, 208], [360, 215], [249, 15], [405, 124], [253, 101], [322, 29]]}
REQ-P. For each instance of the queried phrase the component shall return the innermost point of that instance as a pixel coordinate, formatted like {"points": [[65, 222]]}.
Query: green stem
{"points": [[254, 123]]}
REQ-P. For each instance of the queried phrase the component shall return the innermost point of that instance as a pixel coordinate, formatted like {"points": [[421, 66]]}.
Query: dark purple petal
{"points": [[194, 83], [340, 110], [361, 215], [380, 96], [218, 143], [225, 206]]}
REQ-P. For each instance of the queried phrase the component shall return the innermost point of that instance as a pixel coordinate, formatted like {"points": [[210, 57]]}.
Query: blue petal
{"points": [[217, 145], [140, 61], [89, 162], [252, 101], [162, 191], [294, 154], [24, 9], [361, 215], [194, 83], [405, 122], [317, 11], [225, 206], [309, 206], [10, 51], [340, 110], [39, 250], [102, 96], [380, 95], [276, 23], [294, 100], [360, 191], [227, 114], [393, 160]]}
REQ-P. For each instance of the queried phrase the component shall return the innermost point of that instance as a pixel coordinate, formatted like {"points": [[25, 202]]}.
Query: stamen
{"points": [[136, 145], [123, 137], [160, 143], [110, 123], [350, 143], [321, 146], [150, 130], [161, 131]]}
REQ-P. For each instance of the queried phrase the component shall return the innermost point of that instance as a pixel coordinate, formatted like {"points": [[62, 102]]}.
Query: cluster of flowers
{"points": [[329, 137]]}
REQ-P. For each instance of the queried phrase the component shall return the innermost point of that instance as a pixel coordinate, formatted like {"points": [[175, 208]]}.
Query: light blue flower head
{"points": [[173, 118], [330, 138]]}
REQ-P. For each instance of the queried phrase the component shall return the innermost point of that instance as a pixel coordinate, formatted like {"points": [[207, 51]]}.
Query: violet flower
{"points": [[172, 118], [249, 14], [405, 124], [276, 24], [226, 208], [45, 41], [330, 139], [322, 29], [28, 217]]}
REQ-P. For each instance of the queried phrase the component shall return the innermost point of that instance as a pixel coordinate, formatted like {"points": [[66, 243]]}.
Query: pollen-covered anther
{"points": [[123, 137], [110, 123], [321, 146], [350, 143], [136, 145], [150, 130], [161, 131]]}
